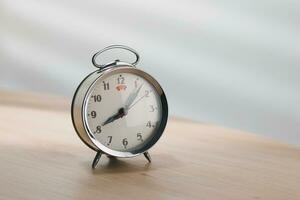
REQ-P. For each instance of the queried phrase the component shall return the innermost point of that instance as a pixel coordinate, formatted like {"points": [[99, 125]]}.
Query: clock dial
{"points": [[123, 111]]}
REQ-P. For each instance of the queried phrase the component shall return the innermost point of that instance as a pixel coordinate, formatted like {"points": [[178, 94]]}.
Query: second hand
{"points": [[138, 100]]}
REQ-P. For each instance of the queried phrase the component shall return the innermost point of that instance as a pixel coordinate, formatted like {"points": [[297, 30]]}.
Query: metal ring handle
{"points": [[114, 47]]}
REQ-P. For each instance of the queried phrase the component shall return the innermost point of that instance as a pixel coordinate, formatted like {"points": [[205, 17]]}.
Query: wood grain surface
{"points": [[41, 157]]}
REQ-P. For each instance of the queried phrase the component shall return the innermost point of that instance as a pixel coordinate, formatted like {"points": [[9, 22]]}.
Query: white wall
{"points": [[232, 63]]}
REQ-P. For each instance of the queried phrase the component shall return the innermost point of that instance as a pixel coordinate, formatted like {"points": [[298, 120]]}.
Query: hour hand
{"points": [[109, 120], [121, 113]]}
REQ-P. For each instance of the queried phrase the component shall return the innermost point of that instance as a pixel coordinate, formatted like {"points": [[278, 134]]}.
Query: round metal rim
{"points": [[164, 119], [114, 47]]}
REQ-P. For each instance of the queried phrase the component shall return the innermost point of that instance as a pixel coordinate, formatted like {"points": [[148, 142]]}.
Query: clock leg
{"points": [[147, 156], [96, 159], [111, 157]]}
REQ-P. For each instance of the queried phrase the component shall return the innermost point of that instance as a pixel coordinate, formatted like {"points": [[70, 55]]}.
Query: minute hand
{"points": [[137, 101], [132, 97]]}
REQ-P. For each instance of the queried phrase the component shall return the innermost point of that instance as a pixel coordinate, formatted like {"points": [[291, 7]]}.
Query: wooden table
{"points": [[41, 157]]}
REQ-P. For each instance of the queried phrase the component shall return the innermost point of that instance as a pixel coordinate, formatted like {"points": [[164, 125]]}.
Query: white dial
{"points": [[123, 111]]}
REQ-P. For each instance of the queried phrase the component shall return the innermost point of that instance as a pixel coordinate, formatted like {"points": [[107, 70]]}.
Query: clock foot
{"points": [[147, 156], [96, 159], [111, 157]]}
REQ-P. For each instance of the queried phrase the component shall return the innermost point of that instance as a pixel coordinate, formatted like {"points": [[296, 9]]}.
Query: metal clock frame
{"points": [[79, 114]]}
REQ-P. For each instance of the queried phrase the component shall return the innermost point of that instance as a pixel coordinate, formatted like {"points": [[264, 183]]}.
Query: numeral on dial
{"points": [[125, 142], [96, 98], [147, 93], [98, 129], [109, 139], [152, 108], [121, 79], [93, 114], [136, 83], [106, 85], [139, 137], [151, 124]]}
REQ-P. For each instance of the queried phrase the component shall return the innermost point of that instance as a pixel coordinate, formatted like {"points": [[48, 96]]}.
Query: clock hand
{"points": [[124, 110], [121, 113], [109, 120], [132, 97], [137, 101]]}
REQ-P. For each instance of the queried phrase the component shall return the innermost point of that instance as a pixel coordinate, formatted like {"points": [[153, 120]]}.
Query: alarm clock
{"points": [[119, 110]]}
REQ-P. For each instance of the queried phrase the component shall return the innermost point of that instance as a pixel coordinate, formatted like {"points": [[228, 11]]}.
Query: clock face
{"points": [[123, 111]]}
